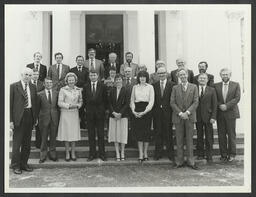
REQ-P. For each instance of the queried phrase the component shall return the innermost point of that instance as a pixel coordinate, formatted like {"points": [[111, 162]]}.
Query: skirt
{"points": [[69, 126], [142, 125], [118, 130]]}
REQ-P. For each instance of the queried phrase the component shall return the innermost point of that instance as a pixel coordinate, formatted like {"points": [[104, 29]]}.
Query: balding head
{"points": [[180, 63], [112, 57]]}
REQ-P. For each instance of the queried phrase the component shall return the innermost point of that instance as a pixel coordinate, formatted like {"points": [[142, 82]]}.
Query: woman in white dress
{"points": [[118, 120], [70, 100]]}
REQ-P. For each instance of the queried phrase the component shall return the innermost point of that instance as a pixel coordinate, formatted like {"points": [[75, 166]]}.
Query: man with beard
{"points": [[202, 67], [129, 63]]}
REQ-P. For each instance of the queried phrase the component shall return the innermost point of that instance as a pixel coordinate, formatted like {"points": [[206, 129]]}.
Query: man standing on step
{"points": [[48, 120], [23, 116], [95, 99], [38, 66], [202, 67], [184, 101], [205, 116], [228, 96]]}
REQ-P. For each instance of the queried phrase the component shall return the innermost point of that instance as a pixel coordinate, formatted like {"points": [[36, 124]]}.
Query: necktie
{"points": [[80, 68], [128, 81], [162, 88], [92, 65], [183, 87], [117, 93], [26, 95], [93, 89], [35, 82], [129, 64], [49, 97], [37, 67], [225, 92], [202, 92], [58, 70]]}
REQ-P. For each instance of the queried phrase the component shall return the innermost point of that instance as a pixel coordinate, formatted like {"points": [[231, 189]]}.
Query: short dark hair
{"points": [[118, 75], [79, 56], [143, 73], [112, 68], [91, 49], [203, 62], [37, 53], [93, 71], [128, 53], [203, 74], [59, 53]]}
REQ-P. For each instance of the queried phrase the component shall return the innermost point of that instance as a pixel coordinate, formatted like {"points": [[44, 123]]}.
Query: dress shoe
{"points": [[145, 159], [53, 158], [27, 168], [140, 161], [231, 159], [178, 166], [122, 158], [42, 160], [73, 158], [200, 157], [118, 159], [17, 171], [194, 167], [223, 158], [103, 158], [90, 158]]}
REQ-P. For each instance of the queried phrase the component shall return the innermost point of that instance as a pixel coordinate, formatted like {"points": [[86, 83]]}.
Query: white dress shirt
{"points": [[28, 93], [164, 83], [185, 85], [95, 86], [60, 69], [200, 89], [47, 94], [92, 61], [38, 65], [223, 89]]}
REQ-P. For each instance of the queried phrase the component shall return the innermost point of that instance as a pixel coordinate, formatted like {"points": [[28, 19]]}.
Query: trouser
{"points": [[131, 133], [50, 130], [38, 137], [82, 117], [96, 126], [207, 130], [184, 127], [227, 136], [22, 140]]}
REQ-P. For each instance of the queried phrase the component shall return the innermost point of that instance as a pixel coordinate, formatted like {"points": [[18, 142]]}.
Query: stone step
{"points": [[84, 141], [83, 152]]}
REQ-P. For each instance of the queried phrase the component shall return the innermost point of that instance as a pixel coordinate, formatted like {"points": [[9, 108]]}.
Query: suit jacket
{"points": [[98, 66], [186, 102], [98, 103], [207, 108], [163, 103], [47, 111], [107, 67], [153, 78], [210, 80], [233, 97], [135, 69], [17, 102], [174, 76], [120, 104], [53, 74], [42, 71], [83, 77], [130, 86], [39, 86]]}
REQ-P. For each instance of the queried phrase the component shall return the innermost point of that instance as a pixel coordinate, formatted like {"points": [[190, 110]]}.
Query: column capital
{"points": [[35, 14], [76, 14], [234, 15]]}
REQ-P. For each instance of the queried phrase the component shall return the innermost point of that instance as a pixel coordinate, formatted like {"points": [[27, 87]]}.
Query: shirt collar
{"points": [[185, 84], [225, 83], [164, 81], [94, 82], [47, 90], [23, 83]]}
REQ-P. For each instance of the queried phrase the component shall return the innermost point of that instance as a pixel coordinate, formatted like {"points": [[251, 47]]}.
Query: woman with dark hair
{"points": [[70, 100], [118, 112], [142, 101]]}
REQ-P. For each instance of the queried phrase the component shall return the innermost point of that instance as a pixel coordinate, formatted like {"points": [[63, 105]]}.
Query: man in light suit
{"points": [[228, 96], [48, 120], [181, 64], [58, 72], [95, 64], [38, 66], [206, 116], [23, 116], [110, 64], [184, 101], [202, 67], [129, 63], [39, 87]]}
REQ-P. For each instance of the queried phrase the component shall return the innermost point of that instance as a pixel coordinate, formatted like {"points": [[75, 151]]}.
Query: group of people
{"points": [[61, 101]]}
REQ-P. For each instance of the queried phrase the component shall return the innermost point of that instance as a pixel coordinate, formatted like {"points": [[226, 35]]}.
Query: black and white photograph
{"points": [[132, 98]]}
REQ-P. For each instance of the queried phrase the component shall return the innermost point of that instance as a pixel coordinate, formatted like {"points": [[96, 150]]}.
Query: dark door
{"points": [[105, 34]]}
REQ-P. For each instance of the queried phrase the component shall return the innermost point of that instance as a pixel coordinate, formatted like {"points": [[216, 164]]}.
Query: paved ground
{"points": [[136, 175]]}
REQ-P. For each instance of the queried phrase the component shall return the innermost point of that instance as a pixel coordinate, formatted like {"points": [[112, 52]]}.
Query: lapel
{"points": [[115, 94], [166, 88], [45, 97], [219, 89], [205, 92], [158, 91], [187, 91], [62, 71], [230, 86], [54, 97], [20, 88], [31, 95], [120, 93]]}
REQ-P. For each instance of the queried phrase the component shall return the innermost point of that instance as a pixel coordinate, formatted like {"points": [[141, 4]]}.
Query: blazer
{"points": [[233, 97], [135, 69], [153, 78], [163, 103], [17, 102], [174, 76], [82, 77], [187, 103], [47, 111], [98, 66], [53, 74], [107, 67], [130, 86], [42, 70], [39, 86], [120, 104], [210, 80], [98, 103], [207, 108]]}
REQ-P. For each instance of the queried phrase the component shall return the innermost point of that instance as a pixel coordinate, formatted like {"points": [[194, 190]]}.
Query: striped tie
{"points": [[26, 95]]}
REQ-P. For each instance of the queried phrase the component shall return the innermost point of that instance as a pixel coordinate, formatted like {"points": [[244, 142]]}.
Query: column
{"points": [[146, 39], [61, 30]]}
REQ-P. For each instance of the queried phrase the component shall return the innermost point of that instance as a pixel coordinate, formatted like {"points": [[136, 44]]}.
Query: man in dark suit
{"points": [[128, 83], [184, 101], [39, 87], [173, 76], [23, 116], [95, 99], [154, 77], [202, 67], [162, 115], [206, 116], [58, 72], [38, 66], [48, 120], [82, 74], [93, 63], [111, 63], [228, 96]]}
